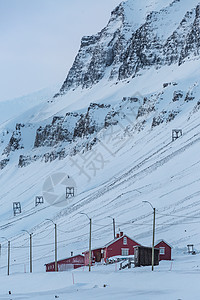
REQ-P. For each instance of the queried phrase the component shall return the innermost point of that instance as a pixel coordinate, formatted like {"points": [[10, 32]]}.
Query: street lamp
{"points": [[56, 247], [154, 221], [8, 253], [31, 260], [113, 226], [90, 240]]}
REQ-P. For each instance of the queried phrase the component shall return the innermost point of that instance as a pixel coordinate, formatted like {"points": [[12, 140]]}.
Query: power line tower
{"points": [[17, 208], [176, 133], [39, 200], [69, 192]]}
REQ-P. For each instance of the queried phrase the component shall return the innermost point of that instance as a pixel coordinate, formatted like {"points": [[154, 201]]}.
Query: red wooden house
{"points": [[69, 263], [165, 250], [122, 245]]}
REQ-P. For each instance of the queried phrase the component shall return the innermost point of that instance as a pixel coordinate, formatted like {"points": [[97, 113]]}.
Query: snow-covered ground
{"points": [[132, 164], [177, 279]]}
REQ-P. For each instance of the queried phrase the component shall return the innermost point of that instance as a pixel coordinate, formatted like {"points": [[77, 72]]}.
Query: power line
{"points": [[183, 216]]}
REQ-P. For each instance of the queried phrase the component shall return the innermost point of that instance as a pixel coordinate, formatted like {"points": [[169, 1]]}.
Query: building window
{"points": [[125, 252], [125, 241], [162, 250]]}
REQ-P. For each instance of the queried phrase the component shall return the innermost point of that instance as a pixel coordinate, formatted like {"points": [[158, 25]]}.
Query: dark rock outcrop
{"points": [[3, 163], [15, 142], [121, 51]]}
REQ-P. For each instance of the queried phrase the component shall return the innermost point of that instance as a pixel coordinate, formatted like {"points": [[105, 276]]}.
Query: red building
{"points": [[165, 250], [122, 245], [69, 263], [96, 255]]}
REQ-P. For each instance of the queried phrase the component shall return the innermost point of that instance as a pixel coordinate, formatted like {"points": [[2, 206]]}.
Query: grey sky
{"points": [[40, 38]]}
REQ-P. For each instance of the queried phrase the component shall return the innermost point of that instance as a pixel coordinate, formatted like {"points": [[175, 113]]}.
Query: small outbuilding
{"points": [[143, 256], [165, 250], [72, 262], [97, 255]]}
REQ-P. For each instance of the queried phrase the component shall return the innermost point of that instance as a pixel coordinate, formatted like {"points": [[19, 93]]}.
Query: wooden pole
{"points": [[114, 228], [56, 249], [31, 260], [8, 258], [154, 221], [90, 254]]}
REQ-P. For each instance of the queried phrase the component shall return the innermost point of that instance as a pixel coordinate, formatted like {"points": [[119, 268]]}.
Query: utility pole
{"points": [[30, 244], [154, 222], [56, 249], [90, 241], [113, 226], [153, 241], [56, 246], [31, 259], [8, 258], [8, 272]]}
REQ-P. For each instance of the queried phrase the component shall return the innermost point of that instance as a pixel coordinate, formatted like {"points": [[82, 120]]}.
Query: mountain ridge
{"points": [[125, 50]]}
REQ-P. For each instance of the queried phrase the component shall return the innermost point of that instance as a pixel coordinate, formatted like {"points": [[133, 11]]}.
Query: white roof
{"points": [[64, 259], [159, 241], [117, 239]]}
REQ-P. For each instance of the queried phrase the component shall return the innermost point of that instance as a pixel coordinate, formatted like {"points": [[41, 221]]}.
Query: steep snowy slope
{"points": [[11, 109], [138, 36], [113, 137]]}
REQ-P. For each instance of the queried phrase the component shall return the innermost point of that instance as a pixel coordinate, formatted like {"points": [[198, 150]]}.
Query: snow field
{"points": [[170, 280]]}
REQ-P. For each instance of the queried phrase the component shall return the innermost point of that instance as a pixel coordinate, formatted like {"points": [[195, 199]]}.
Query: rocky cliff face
{"points": [[15, 142], [125, 47], [78, 132], [99, 52], [69, 134], [167, 36]]}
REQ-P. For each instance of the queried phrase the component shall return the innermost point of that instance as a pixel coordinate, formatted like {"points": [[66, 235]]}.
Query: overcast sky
{"points": [[40, 38]]}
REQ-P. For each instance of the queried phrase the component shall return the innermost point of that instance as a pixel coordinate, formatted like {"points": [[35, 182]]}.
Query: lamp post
{"points": [[113, 226], [8, 254], [56, 246], [154, 221], [90, 240], [31, 260]]}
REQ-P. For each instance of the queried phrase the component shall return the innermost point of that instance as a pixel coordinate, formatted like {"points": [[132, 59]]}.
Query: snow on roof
{"points": [[159, 241], [106, 245], [111, 242], [93, 249], [52, 262], [117, 239]]}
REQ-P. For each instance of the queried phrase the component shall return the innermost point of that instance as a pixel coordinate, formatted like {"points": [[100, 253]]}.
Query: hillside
{"points": [[109, 127]]}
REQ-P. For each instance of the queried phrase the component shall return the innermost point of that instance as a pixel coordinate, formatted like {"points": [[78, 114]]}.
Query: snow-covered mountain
{"points": [[109, 127], [137, 37]]}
